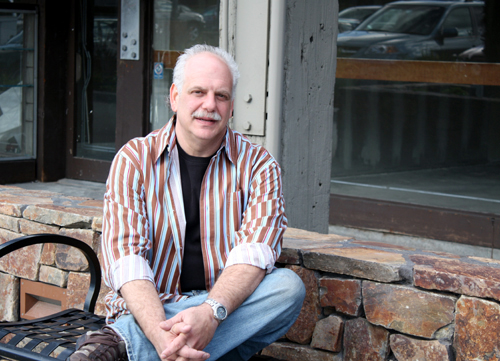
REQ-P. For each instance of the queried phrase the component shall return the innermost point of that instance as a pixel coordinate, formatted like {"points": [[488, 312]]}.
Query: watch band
{"points": [[220, 312]]}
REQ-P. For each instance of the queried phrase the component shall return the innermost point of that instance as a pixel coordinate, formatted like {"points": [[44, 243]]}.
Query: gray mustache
{"points": [[203, 114]]}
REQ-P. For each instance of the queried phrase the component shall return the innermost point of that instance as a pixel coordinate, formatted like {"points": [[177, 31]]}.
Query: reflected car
{"points": [[416, 30], [211, 16], [475, 54], [351, 17], [185, 24]]}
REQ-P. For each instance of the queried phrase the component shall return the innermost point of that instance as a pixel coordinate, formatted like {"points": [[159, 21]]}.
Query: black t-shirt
{"points": [[192, 173]]}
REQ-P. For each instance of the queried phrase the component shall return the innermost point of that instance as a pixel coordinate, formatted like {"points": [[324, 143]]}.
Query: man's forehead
{"points": [[207, 62]]}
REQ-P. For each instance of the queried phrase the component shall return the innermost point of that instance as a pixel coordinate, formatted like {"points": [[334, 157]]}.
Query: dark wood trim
{"points": [[70, 150], [52, 72], [133, 87], [17, 171], [419, 71], [477, 229], [88, 169]]}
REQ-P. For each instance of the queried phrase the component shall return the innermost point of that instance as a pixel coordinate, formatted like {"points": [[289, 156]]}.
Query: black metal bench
{"points": [[52, 337]]}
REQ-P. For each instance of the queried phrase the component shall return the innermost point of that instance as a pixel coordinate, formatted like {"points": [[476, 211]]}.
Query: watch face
{"points": [[221, 313]]}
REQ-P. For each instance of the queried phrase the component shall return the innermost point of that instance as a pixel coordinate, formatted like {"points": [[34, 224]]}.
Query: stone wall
{"points": [[25, 212], [365, 300], [373, 301]]}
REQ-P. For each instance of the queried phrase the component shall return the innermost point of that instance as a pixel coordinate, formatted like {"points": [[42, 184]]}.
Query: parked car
{"points": [[475, 54], [185, 25], [351, 17], [417, 30]]}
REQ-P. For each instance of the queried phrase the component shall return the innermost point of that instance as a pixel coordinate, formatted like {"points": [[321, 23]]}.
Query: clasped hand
{"points": [[188, 333]]}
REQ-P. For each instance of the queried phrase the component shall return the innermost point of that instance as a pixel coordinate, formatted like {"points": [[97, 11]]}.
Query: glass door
{"points": [[96, 76], [18, 59], [178, 24]]}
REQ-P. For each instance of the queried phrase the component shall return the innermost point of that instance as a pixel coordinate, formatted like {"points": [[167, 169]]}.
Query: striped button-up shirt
{"points": [[242, 217]]}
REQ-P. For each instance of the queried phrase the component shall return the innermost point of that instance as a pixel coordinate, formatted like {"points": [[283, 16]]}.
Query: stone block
{"points": [[410, 349], [24, 262], [342, 294], [383, 245], [358, 262], [69, 217], [9, 223], [54, 276], [293, 352], [70, 258], [97, 224], [9, 298], [9, 205], [6, 235], [290, 256], [30, 227], [328, 334], [456, 276], [364, 341], [100, 307], [407, 309], [48, 254], [297, 240], [308, 237], [302, 330], [477, 329], [78, 286]]}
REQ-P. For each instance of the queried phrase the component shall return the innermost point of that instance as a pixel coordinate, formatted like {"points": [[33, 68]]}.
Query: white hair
{"points": [[180, 65]]}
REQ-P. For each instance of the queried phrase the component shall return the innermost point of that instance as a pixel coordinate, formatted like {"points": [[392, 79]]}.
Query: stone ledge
{"points": [[365, 300]]}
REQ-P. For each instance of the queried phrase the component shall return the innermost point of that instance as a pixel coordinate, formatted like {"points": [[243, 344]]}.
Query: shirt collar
{"points": [[167, 140]]}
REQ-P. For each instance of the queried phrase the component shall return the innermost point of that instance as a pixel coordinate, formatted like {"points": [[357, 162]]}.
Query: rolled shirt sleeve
{"points": [[255, 254]]}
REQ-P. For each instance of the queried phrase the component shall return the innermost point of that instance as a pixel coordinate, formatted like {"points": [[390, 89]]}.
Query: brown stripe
{"points": [[419, 71]]}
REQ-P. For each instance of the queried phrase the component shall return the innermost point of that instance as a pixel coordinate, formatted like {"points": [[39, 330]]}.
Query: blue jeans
{"points": [[264, 317]]}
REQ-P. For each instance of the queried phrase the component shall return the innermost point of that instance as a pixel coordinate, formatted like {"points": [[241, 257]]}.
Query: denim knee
{"points": [[289, 286]]}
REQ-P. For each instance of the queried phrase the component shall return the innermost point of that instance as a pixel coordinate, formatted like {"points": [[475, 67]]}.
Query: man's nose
{"points": [[209, 104]]}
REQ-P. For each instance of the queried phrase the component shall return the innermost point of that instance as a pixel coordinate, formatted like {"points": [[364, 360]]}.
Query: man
{"points": [[193, 224]]}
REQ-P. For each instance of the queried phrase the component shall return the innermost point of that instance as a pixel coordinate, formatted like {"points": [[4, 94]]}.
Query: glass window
{"points": [[178, 24], [401, 134], [17, 85], [96, 79], [460, 20], [424, 30]]}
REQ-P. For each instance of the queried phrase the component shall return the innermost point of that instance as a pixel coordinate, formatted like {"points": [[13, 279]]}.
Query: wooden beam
{"points": [[419, 71]]}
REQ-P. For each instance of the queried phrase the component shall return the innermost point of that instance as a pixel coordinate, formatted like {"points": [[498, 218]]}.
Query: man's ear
{"points": [[174, 93]]}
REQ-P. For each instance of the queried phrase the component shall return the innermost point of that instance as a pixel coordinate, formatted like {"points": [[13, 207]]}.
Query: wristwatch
{"points": [[220, 312]]}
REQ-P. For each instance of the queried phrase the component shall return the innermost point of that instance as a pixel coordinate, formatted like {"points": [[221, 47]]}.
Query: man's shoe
{"points": [[102, 345]]}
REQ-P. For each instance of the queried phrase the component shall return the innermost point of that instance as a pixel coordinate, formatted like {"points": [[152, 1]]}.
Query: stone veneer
{"points": [[365, 300]]}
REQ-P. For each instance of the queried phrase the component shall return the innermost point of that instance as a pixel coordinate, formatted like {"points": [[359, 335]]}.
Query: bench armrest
{"points": [[95, 270]]}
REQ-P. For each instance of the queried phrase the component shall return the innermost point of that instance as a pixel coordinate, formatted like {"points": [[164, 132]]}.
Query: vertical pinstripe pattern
{"points": [[242, 216]]}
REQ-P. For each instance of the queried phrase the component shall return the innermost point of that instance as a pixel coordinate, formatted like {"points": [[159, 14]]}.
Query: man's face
{"points": [[204, 104]]}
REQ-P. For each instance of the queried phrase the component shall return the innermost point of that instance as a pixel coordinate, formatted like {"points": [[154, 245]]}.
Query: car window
{"points": [[478, 12], [418, 20], [459, 19]]}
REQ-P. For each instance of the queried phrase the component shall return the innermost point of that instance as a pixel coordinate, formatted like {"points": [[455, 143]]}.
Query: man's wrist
{"points": [[219, 311]]}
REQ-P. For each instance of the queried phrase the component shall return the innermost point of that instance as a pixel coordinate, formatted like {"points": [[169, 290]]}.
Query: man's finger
{"points": [[175, 345], [192, 354], [179, 328]]}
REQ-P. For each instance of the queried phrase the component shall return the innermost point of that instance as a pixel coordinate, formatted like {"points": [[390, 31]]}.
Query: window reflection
{"points": [[411, 139], [178, 24], [421, 30], [17, 84], [96, 79]]}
